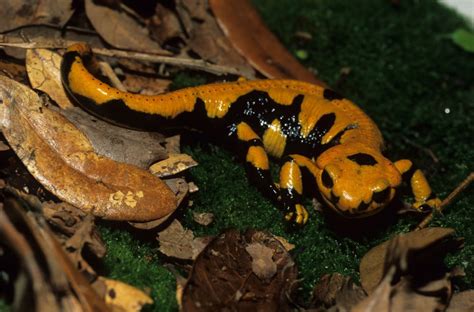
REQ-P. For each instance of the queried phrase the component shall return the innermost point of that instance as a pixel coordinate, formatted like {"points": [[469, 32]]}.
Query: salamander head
{"points": [[356, 181]]}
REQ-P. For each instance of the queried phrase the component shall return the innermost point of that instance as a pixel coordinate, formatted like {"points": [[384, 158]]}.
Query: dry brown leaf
{"points": [[372, 265], [164, 25], [174, 164], [14, 71], [120, 296], [178, 242], [145, 85], [206, 39], [288, 246], [262, 260], [80, 232], [63, 160], [203, 218], [120, 30], [4, 147], [222, 276], [249, 35], [46, 271], [17, 13], [133, 147], [180, 188], [336, 290], [414, 275], [43, 71], [462, 302]]}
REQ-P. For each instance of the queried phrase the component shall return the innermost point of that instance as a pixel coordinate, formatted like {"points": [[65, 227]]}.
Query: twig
{"points": [[183, 62], [109, 73], [461, 187], [154, 58]]}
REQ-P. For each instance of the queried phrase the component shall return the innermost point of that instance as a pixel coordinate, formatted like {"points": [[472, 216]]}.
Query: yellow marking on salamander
{"points": [[274, 140]]}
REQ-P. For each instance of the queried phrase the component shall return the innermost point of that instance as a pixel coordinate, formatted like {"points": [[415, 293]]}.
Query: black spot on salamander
{"points": [[325, 123], [326, 179], [362, 206], [431, 196], [255, 142], [363, 159], [381, 196], [330, 95]]}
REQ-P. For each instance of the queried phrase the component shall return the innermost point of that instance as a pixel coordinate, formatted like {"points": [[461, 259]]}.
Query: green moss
{"points": [[137, 263], [405, 74], [4, 307]]}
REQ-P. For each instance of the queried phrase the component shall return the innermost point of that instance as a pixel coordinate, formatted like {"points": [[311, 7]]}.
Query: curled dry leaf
{"points": [[63, 160], [222, 276], [373, 264], [17, 13], [120, 30], [178, 242], [249, 35], [47, 281], [120, 296], [175, 163], [338, 291], [43, 71]]}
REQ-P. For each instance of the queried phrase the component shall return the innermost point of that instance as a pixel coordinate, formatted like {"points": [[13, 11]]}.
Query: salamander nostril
{"points": [[381, 196], [326, 179]]}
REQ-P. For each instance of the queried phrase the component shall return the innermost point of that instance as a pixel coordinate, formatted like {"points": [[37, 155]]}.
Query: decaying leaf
{"points": [[13, 71], [462, 302], [120, 30], [414, 277], [82, 234], [288, 246], [249, 35], [175, 163], [203, 218], [206, 39], [164, 25], [180, 188], [262, 260], [120, 296], [145, 85], [338, 291], [46, 279], [373, 264], [43, 71], [63, 160], [178, 242], [133, 147], [222, 276], [17, 13]]}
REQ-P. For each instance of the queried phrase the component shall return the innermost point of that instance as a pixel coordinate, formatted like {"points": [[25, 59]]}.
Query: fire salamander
{"points": [[308, 127]]}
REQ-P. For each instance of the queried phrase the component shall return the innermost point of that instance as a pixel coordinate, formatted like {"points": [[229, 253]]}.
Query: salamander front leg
{"points": [[291, 188], [425, 199]]}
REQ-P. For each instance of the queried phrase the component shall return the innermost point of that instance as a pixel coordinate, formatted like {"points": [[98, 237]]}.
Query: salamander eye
{"points": [[326, 179], [381, 196]]}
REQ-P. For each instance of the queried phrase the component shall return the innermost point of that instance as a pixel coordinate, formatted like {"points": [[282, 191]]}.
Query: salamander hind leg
{"points": [[425, 198]]}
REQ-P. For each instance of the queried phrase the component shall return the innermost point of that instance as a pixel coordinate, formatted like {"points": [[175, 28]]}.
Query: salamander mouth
{"points": [[358, 212]]}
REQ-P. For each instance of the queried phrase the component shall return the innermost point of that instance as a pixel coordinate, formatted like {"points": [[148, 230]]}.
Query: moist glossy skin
{"points": [[306, 126]]}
